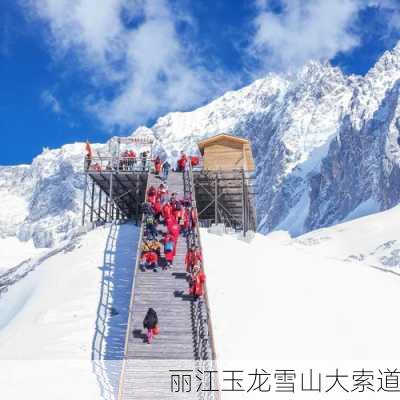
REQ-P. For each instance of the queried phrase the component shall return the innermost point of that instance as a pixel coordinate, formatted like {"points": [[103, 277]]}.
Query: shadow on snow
{"points": [[113, 308]]}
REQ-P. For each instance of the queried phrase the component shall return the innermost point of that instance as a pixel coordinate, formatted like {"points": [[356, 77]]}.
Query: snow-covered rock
{"points": [[42, 201]]}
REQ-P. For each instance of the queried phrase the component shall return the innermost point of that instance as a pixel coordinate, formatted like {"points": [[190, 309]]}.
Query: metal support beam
{"points": [[84, 199], [137, 202], [92, 201], [99, 208]]}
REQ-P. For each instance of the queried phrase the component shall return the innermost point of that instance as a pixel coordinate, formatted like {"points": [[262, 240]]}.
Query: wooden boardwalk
{"points": [[146, 372]]}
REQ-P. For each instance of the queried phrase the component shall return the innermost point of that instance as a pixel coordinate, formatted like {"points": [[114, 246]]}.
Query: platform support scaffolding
{"points": [[232, 195], [115, 185]]}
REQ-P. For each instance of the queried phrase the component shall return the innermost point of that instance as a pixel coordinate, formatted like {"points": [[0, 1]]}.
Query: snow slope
{"points": [[274, 298], [372, 241], [71, 308], [14, 251], [311, 298]]}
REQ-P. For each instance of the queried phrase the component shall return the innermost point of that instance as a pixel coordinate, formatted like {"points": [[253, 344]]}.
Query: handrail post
{"points": [[244, 205], [216, 198], [111, 196]]}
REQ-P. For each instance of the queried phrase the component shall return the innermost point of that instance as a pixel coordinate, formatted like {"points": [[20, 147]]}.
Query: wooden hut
{"points": [[224, 187], [226, 153]]}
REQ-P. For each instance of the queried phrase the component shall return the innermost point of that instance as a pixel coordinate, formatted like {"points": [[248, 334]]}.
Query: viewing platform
{"points": [[224, 182], [115, 184]]}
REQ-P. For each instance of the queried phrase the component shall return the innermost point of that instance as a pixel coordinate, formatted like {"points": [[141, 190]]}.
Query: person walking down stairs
{"points": [[150, 323]]}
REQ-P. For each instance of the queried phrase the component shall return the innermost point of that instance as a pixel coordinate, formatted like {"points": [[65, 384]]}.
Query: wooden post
{"points": [[243, 205], [84, 199], [100, 195], [216, 198]]}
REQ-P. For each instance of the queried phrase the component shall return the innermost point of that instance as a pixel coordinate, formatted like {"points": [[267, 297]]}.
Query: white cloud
{"points": [[144, 62], [49, 100], [307, 29]]}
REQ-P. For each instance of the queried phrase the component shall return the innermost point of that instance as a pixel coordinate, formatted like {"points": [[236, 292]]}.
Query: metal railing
{"points": [[204, 339], [100, 164]]}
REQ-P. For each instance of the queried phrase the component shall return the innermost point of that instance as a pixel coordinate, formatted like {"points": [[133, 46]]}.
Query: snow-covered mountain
{"points": [[325, 143], [325, 146]]}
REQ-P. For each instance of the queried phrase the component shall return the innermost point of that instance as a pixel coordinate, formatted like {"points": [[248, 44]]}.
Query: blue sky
{"points": [[73, 70]]}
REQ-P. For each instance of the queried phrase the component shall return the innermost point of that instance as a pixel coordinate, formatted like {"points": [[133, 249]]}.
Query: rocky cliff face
{"points": [[43, 201], [325, 144]]}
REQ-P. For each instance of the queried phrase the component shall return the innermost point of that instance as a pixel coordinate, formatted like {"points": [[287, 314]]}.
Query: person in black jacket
{"points": [[144, 156], [150, 323]]}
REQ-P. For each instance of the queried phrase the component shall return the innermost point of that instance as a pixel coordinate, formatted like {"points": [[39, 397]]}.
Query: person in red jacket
{"points": [[162, 193], [182, 162], [196, 284], [151, 195], [173, 201], [193, 257], [194, 160], [157, 165], [149, 259], [179, 213], [193, 218], [174, 231], [173, 228], [152, 191], [186, 222], [167, 211], [131, 159], [131, 154], [157, 209], [89, 155]]}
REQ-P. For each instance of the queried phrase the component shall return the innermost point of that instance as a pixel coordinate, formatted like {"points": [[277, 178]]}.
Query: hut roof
{"points": [[205, 142]]}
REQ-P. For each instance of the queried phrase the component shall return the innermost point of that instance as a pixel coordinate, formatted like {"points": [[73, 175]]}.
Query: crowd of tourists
{"points": [[169, 217], [128, 160]]}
